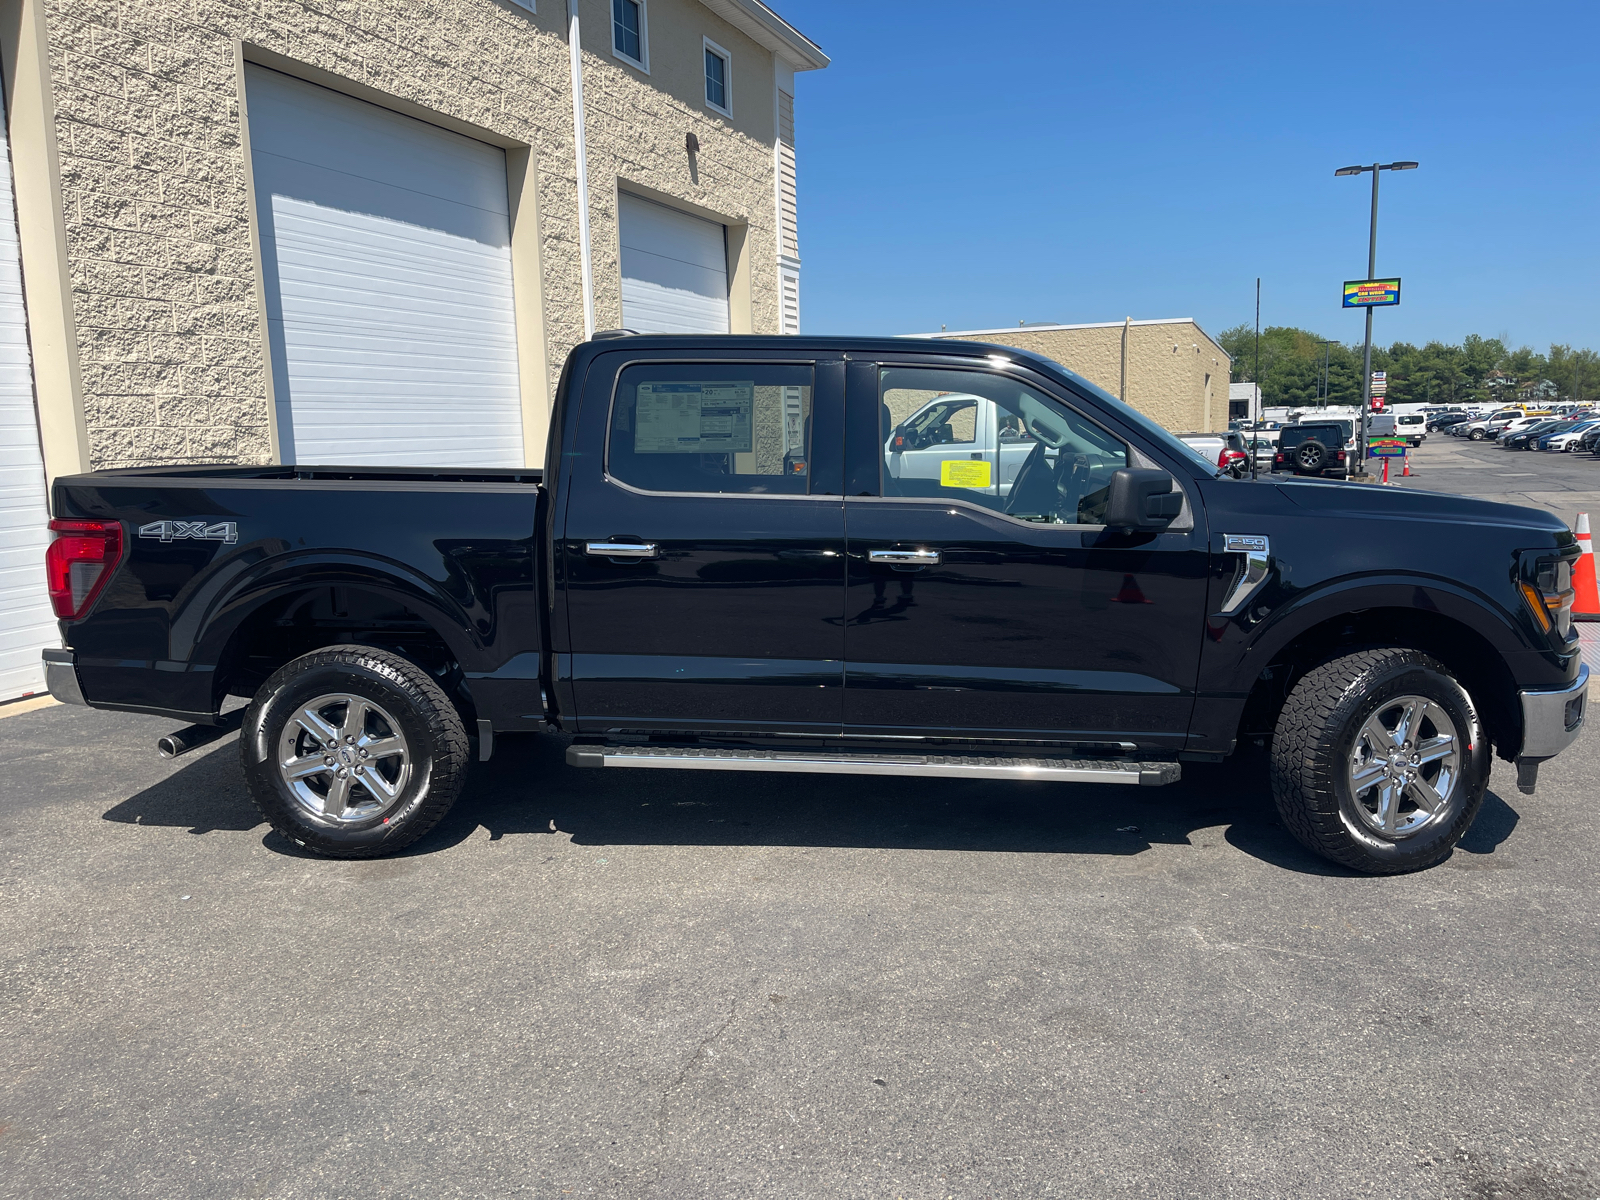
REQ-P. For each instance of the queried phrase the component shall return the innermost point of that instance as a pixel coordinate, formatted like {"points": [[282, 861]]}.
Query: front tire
{"points": [[1379, 761], [1477, 435], [353, 752]]}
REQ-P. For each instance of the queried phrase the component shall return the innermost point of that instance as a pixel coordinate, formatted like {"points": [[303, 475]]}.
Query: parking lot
{"points": [[1566, 484], [643, 984]]}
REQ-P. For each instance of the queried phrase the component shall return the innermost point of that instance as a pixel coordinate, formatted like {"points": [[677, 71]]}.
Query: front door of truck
{"points": [[701, 561], [979, 611]]}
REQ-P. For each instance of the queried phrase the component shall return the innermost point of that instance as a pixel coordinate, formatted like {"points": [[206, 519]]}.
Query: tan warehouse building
{"points": [[364, 231], [1171, 370]]}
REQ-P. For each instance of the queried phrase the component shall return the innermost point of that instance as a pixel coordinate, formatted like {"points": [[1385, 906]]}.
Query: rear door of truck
{"points": [[700, 552]]}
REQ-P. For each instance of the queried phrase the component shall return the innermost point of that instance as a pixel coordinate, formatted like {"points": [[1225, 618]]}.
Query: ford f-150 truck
{"points": [[733, 561]]}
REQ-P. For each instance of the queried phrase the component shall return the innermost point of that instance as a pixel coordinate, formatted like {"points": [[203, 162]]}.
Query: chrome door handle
{"points": [[914, 558], [1257, 551], [621, 549]]}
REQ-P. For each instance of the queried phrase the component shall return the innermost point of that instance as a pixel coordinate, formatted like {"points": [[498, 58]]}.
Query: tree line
{"points": [[1477, 371]]}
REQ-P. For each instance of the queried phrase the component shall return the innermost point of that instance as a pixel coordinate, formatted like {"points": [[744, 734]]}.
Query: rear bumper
{"points": [[1552, 720], [61, 676]]}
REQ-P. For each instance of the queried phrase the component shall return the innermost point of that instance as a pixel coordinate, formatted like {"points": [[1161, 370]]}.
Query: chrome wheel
{"points": [[344, 759], [1405, 769]]}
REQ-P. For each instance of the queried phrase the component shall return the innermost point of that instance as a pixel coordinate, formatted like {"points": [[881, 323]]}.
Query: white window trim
{"points": [[531, 5], [727, 77], [642, 63]]}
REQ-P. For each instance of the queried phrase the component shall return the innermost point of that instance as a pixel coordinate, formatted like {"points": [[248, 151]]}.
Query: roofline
{"points": [[1009, 330], [767, 29]]}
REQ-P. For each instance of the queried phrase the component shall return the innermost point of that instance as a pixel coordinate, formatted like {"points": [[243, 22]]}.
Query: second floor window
{"points": [[716, 76], [627, 29]]}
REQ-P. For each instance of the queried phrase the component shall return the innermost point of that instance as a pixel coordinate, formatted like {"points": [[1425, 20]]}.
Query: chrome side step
{"points": [[1058, 770]]}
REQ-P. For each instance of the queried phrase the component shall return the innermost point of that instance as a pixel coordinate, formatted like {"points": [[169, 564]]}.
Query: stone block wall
{"points": [[1167, 366], [153, 180]]}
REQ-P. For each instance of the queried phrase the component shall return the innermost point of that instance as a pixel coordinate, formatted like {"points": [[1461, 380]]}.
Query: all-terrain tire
{"points": [[1317, 735], [366, 697]]}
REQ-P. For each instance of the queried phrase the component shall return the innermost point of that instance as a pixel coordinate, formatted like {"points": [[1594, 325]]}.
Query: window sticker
{"points": [[965, 473], [707, 417]]}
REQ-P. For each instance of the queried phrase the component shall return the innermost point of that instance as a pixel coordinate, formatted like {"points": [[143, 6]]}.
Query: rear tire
{"points": [[353, 752], [1351, 792]]}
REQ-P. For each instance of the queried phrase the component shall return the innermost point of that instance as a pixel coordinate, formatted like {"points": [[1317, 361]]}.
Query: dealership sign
{"points": [[1371, 293]]}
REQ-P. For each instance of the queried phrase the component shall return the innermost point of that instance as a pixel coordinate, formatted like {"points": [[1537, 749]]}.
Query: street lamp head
{"points": [[1351, 170], [1402, 166]]}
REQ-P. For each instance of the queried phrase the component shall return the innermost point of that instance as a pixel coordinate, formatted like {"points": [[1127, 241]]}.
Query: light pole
{"points": [[1323, 394], [1372, 269]]}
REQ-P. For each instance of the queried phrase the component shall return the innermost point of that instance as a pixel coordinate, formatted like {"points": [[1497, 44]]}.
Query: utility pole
{"points": [[1372, 268], [1256, 407]]}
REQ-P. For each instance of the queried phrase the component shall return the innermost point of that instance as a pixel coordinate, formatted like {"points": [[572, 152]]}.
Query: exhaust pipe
{"points": [[185, 740]]}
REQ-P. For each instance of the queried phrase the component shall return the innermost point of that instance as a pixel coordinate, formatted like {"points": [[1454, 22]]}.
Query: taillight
{"points": [[1341, 456], [1280, 458], [80, 560]]}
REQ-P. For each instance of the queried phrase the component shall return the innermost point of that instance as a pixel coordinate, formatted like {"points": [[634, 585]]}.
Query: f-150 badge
{"points": [[200, 531]]}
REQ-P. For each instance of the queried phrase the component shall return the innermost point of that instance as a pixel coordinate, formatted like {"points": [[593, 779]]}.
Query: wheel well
{"points": [[1463, 651], [286, 627]]}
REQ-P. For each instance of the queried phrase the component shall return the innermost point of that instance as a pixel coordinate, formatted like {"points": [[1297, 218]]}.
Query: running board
{"points": [[1057, 770]]}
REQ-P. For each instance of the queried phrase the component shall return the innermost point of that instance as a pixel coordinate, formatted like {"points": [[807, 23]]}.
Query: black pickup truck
{"points": [[869, 557]]}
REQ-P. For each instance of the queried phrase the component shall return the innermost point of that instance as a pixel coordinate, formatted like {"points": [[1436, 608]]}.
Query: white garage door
{"points": [[27, 624], [386, 257], [674, 270]]}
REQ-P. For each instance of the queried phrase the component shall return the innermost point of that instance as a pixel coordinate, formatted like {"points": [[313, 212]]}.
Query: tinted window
{"points": [[993, 441], [702, 427], [1326, 434]]}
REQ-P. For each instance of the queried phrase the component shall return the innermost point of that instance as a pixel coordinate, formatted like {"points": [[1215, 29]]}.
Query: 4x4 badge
{"points": [[177, 531]]}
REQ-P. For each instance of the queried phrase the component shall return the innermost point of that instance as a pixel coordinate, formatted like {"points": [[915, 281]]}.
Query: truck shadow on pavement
{"points": [[527, 789]]}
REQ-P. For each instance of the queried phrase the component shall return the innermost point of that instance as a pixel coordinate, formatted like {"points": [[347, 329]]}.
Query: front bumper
{"points": [[61, 676], [1551, 721]]}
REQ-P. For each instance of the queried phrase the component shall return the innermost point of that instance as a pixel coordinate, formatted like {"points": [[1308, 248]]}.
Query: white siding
{"points": [[674, 270], [788, 211], [27, 624], [386, 258]]}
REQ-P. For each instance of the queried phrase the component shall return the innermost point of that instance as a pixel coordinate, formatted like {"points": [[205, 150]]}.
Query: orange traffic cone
{"points": [[1586, 602], [1407, 470]]}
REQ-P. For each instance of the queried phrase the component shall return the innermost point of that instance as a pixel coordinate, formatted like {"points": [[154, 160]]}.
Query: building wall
{"points": [[153, 171], [1168, 362]]}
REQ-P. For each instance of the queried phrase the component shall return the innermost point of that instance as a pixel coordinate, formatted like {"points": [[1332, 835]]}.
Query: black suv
{"points": [[1314, 448]]}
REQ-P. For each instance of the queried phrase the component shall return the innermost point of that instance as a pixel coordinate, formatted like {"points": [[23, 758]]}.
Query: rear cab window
{"points": [[712, 428]]}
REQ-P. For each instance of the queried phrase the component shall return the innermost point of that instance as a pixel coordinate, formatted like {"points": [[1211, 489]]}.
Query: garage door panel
{"points": [[27, 623], [295, 121], [389, 290], [674, 269]]}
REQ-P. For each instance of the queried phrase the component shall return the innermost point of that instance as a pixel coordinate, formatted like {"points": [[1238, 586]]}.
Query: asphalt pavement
{"points": [[1565, 484], [653, 984]]}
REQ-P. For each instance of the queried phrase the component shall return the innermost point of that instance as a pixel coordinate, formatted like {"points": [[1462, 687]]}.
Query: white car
{"points": [[1572, 438]]}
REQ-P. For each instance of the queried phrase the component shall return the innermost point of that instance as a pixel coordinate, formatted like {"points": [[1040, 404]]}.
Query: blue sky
{"points": [[976, 164]]}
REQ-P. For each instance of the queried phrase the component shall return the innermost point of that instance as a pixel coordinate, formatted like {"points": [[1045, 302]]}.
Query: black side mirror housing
{"points": [[1142, 500]]}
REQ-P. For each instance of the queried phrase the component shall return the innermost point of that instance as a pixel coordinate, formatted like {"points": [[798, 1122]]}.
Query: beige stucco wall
{"points": [[153, 179], [1167, 367]]}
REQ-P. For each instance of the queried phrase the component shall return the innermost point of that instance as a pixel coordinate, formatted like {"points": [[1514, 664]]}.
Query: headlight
{"points": [[1549, 595]]}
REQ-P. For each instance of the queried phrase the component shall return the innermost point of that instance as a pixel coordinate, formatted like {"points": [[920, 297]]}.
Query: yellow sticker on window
{"points": [[965, 472]]}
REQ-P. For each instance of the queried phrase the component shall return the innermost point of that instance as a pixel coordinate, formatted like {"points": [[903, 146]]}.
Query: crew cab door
{"points": [[972, 613], [701, 554]]}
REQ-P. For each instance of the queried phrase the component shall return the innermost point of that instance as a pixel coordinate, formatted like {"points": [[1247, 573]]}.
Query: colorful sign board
{"points": [[1371, 293], [1387, 447]]}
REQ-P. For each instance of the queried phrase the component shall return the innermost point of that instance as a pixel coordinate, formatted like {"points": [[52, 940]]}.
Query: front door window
{"points": [[999, 444]]}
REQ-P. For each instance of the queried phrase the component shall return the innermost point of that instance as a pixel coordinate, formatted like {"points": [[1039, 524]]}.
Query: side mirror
{"points": [[1142, 500]]}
